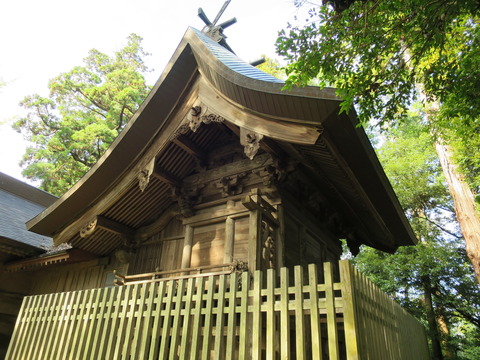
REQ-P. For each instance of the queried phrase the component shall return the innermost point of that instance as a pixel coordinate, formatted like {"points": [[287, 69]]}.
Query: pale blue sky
{"points": [[41, 39]]}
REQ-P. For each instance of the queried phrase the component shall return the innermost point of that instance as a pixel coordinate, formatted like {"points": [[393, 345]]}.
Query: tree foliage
{"points": [[376, 53], [86, 109], [438, 263]]}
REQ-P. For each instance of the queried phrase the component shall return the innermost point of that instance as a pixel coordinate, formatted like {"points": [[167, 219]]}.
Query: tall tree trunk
{"points": [[464, 202], [432, 319]]}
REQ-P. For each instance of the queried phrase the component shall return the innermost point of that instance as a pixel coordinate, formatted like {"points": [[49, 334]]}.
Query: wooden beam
{"points": [[114, 227], [165, 176], [189, 146], [145, 232]]}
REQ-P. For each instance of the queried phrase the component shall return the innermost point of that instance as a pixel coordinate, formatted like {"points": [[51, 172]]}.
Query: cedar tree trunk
{"points": [[464, 202]]}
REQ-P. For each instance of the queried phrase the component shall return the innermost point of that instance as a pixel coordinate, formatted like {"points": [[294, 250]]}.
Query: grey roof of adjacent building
{"points": [[19, 202]]}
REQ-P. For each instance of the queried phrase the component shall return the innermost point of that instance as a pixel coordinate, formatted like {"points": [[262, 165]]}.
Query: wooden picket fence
{"points": [[292, 316]]}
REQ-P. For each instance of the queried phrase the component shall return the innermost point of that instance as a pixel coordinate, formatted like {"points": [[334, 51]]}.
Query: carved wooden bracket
{"points": [[144, 175], [186, 199], [250, 140], [231, 185], [197, 116]]}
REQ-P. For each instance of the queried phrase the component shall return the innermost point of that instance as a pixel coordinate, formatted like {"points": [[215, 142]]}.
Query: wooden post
{"points": [[281, 238], [346, 279], [254, 233], [229, 240], [187, 247]]}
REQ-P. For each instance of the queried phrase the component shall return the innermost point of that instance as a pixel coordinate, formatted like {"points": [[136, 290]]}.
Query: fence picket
{"points": [[231, 328], [316, 334], [175, 335], [102, 331], [349, 320], [144, 323], [256, 330], [116, 304], [176, 318], [164, 341], [284, 314], [219, 326], [33, 320], [299, 314], [270, 318], [331, 312], [207, 327], [196, 331], [244, 335], [157, 314], [187, 320]]}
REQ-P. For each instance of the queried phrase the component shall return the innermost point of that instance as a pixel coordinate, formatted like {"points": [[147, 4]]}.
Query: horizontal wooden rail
{"points": [[161, 275]]}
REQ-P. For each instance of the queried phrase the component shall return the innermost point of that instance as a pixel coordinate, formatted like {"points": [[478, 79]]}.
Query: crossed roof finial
{"points": [[215, 31]]}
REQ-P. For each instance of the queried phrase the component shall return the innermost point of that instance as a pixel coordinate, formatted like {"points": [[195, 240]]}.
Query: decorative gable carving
{"points": [[198, 115], [250, 140]]}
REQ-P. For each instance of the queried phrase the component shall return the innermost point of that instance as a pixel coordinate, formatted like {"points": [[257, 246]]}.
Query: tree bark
{"points": [[432, 319], [464, 202]]}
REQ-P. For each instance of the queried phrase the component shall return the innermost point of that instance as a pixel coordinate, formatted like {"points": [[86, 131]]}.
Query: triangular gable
{"points": [[206, 84]]}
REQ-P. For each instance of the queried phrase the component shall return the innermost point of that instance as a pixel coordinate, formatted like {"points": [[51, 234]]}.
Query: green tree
{"points": [[384, 55], [85, 111], [433, 280]]}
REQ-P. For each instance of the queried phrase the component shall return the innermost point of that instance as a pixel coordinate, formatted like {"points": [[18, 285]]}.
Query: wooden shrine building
{"points": [[219, 170], [216, 141]]}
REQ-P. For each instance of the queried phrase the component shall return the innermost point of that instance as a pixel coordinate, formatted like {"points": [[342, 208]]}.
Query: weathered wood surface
{"points": [[222, 317]]}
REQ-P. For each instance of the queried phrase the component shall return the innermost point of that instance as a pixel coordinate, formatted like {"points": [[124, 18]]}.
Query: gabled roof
{"points": [[19, 202], [303, 122]]}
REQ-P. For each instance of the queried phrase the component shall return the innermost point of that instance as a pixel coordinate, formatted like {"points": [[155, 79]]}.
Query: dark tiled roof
{"points": [[19, 202]]}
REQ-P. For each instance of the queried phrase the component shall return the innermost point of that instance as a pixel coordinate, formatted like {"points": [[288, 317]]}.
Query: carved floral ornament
{"points": [[198, 115]]}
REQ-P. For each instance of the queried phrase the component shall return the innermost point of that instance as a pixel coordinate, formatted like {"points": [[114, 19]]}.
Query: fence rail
{"points": [[291, 316]]}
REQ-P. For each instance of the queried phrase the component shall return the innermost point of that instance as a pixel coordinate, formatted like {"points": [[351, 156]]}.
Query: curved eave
{"points": [[353, 147], [248, 87], [253, 92], [192, 55]]}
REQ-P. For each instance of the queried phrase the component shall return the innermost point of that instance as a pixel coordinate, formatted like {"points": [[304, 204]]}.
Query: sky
{"points": [[41, 39]]}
